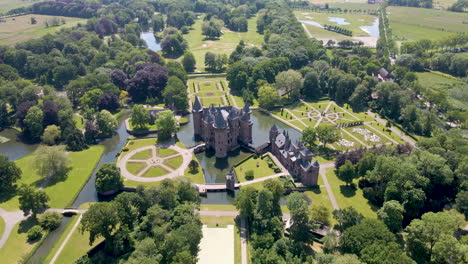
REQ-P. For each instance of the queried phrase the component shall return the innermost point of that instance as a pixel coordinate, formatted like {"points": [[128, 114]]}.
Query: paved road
{"points": [[57, 254], [323, 171], [11, 219]]}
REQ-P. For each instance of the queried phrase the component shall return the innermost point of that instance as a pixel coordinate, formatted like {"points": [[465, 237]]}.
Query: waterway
{"points": [[372, 30], [151, 41], [12, 147], [338, 20]]}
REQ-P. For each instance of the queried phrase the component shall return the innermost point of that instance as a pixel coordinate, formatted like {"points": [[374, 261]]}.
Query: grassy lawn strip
{"points": [[146, 128], [319, 196], [79, 121], [347, 196], [237, 245], [155, 172], [174, 162], [196, 176], [208, 101], [135, 168], [259, 166], [217, 207], [138, 143], [62, 237], [142, 155], [2, 226], [221, 221], [163, 152]]}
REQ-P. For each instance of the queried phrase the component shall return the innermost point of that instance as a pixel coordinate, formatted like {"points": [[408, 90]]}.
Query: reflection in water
{"points": [[310, 22], [12, 148], [151, 41], [372, 30], [338, 20]]}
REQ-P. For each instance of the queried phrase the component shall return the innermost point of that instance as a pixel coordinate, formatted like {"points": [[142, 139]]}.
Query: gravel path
{"points": [[11, 219]]}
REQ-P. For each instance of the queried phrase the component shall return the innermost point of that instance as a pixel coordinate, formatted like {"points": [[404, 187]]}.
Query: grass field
{"points": [[142, 155], [138, 143], [19, 28], [347, 196], [135, 168], [217, 221], [6, 5], [410, 23], [174, 162], [163, 152], [225, 45], [259, 167], [355, 21], [61, 193], [2, 226], [213, 90], [154, 172], [196, 176]]}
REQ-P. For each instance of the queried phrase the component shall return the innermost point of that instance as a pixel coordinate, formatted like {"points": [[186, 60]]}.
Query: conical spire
{"points": [[246, 108], [219, 121], [274, 128], [196, 105]]}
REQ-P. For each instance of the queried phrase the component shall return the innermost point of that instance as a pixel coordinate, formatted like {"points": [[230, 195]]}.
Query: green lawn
{"points": [[319, 196], [237, 245], [165, 152], [61, 239], [146, 128], [217, 221], [2, 226], [410, 23], [175, 162], [17, 246], [142, 155], [197, 176], [77, 246], [61, 193], [259, 166], [19, 28], [154, 172], [135, 168], [347, 196], [6, 5], [139, 143], [225, 45], [217, 207], [208, 101], [211, 93], [79, 121]]}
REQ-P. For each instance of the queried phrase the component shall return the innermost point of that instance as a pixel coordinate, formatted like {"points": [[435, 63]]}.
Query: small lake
{"points": [[151, 41], [310, 22], [11, 147], [372, 30], [338, 20]]}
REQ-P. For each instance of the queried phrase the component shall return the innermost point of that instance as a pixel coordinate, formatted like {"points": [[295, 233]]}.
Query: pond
{"points": [[151, 41], [13, 148], [310, 22], [372, 30], [338, 20], [215, 168]]}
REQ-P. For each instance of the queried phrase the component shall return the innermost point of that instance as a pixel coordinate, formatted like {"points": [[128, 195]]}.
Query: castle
{"points": [[294, 156], [222, 128]]}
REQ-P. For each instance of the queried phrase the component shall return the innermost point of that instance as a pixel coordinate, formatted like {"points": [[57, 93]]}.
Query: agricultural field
{"points": [[213, 91], [316, 2], [225, 45], [411, 24], [19, 28], [6, 5], [444, 4]]}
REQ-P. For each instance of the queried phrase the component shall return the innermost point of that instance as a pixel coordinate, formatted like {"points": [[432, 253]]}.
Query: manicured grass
{"points": [[208, 101], [17, 246], [61, 239], [196, 176], [410, 23], [174, 162], [347, 196], [135, 168], [349, 138], [77, 246], [355, 20], [165, 152], [79, 121], [237, 245], [142, 155], [154, 172], [225, 45], [259, 166], [146, 128], [210, 93], [217, 221], [19, 28], [383, 139], [2, 226], [372, 126], [139, 143], [61, 193], [217, 207]]}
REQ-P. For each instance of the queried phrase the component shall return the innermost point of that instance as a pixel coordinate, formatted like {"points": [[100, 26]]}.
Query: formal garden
{"points": [[213, 90]]}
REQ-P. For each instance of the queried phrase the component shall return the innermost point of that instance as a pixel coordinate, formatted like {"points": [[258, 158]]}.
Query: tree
{"points": [[212, 28], [108, 178], [346, 259], [214, 61], [327, 134], [75, 140], [9, 174], [100, 220], [462, 202], [347, 218], [175, 94], [119, 78], [33, 122], [245, 202], [148, 82], [428, 233], [249, 175], [139, 116], [193, 166], [51, 134], [108, 101], [91, 131], [366, 233], [385, 253], [312, 88], [320, 214], [347, 172], [276, 187], [50, 110], [32, 201], [189, 62], [391, 214], [289, 82], [50, 220], [52, 162], [309, 136], [268, 97], [301, 224], [106, 122], [166, 124], [34, 233]]}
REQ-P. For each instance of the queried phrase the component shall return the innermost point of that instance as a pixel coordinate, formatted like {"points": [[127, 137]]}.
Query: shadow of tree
{"points": [[26, 224], [7, 195], [348, 191], [315, 189]]}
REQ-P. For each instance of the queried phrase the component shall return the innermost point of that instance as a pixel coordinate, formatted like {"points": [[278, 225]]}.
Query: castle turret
{"points": [[273, 133], [221, 138], [197, 111]]}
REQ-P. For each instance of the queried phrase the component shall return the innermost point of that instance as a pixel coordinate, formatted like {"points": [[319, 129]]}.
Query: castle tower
{"points": [[221, 138], [234, 122], [273, 133], [197, 111], [230, 181]]}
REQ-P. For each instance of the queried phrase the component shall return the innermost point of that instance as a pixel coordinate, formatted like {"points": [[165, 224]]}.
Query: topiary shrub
{"points": [[249, 175], [34, 233]]}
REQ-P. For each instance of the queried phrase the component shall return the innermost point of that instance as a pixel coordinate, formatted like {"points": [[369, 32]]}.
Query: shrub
{"points": [[125, 149], [249, 175], [35, 233], [50, 220]]}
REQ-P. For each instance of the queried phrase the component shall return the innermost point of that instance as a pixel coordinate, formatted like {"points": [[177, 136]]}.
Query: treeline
{"points": [[385, 44], [459, 6], [60, 8], [338, 30], [307, 6], [412, 3]]}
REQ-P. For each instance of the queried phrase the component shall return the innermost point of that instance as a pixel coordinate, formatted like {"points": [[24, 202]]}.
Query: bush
{"points": [[34, 233], [125, 149], [249, 175], [50, 220]]}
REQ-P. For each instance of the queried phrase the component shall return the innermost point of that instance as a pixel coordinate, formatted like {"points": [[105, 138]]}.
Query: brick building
{"points": [[222, 128]]}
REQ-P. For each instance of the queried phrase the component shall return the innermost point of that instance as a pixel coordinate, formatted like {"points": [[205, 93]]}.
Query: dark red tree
{"points": [[22, 111], [108, 101], [50, 110], [119, 78], [148, 82]]}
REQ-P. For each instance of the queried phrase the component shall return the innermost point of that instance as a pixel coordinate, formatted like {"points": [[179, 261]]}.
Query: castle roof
{"points": [[196, 105], [210, 118], [246, 108], [212, 108], [219, 120], [274, 128], [233, 113], [316, 164]]}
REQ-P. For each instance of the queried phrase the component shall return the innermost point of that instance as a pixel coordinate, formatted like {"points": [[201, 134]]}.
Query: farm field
{"points": [[6, 5], [225, 45], [410, 24], [19, 28]]}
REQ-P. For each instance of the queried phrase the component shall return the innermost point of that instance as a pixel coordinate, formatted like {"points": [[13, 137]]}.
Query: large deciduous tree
{"points": [[289, 82], [108, 178], [327, 134], [175, 94], [245, 202], [31, 200], [391, 214], [268, 97], [106, 122], [148, 82], [101, 220], [166, 124], [189, 62], [312, 88], [347, 218], [301, 223], [9, 174], [34, 123], [52, 161], [347, 172], [139, 116]]}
